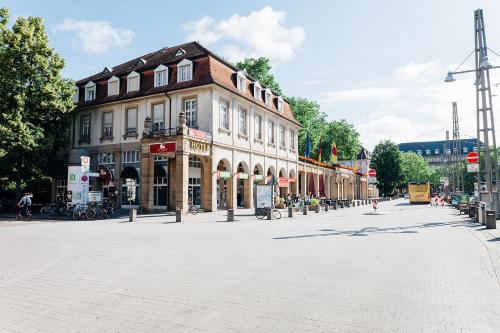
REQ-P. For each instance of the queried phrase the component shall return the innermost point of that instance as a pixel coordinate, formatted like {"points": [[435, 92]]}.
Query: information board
{"points": [[263, 196]]}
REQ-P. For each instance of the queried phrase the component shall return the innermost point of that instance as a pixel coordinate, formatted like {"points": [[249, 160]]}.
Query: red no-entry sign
{"points": [[372, 173], [472, 157]]}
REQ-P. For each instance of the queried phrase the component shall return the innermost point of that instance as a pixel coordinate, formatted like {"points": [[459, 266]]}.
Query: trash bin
{"points": [[132, 215], [491, 219], [290, 212]]}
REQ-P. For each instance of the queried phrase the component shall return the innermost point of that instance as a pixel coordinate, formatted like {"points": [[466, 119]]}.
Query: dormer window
{"points": [[76, 95], [133, 82], [257, 91], [241, 81], [268, 96], [180, 52], [280, 103], [107, 70], [90, 91], [141, 62], [184, 71], [113, 86], [161, 76]]}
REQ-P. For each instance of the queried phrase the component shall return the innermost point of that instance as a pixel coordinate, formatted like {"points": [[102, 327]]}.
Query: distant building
{"points": [[433, 151]]}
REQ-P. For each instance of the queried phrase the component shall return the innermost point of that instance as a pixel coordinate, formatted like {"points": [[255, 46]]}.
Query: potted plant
{"points": [[280, 203], [314, 206]]}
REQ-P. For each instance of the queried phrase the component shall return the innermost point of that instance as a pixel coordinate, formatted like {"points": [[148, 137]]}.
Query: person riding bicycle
{"points": [[24, 204]]}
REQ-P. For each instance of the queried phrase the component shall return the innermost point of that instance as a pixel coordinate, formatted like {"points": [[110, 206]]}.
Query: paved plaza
{"points": [[409, 269]]}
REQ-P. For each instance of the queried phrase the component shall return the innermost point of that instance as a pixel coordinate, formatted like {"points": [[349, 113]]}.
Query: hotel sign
{"points": [[163, 148], [197, 145]]}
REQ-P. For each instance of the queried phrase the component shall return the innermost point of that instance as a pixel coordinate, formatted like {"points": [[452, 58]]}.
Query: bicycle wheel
{"points": [[90, 214], [44, 210], [276, 214], [76, 215]]}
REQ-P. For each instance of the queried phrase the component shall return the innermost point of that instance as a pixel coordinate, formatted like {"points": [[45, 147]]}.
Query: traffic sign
{"points": [[473, 167], [472, 157], [372, 173], [85, 160]]}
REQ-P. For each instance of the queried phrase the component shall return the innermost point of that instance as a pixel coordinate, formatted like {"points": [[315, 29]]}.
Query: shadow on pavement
{"points": [[375, 230]]}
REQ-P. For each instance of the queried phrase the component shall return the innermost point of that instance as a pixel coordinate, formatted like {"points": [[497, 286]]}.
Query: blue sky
{"points": [[378, 64]]}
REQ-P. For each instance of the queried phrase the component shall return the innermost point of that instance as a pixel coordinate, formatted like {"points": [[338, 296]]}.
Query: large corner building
{"points": [[189, 127]]}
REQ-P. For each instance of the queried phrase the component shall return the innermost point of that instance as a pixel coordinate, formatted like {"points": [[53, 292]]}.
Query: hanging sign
{"points": [[162, 148], [474, 167], [242, 175], [224, 174], [259, 177]]}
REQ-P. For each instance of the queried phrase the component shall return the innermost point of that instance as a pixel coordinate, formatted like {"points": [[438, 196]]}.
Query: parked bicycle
{"points": [[262, 212]]}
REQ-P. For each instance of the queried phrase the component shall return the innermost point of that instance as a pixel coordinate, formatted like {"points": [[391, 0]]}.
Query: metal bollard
{"points": [[304, 210], [326, 208], [334, 206], [290, 212], [230, 215], [491, 219], [316, 209], [178, 215], [269, 213], [483, 215], [132, 215]]}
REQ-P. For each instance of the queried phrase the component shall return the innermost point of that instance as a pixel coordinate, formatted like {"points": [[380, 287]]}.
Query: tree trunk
{"points": [[18, 186]]}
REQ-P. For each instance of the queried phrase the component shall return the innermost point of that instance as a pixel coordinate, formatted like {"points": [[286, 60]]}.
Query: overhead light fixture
{"points": [[485, 64], [449, 77]]}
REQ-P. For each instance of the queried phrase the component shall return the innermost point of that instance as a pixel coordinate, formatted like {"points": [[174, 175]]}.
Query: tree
{"points": [[260, 69], [414, 169], [386, 160], [34, 100], [308, 113]]}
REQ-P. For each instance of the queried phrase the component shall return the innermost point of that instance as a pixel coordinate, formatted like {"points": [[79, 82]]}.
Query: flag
{"points": [[319, 155], [307, 150], [334, 157]]}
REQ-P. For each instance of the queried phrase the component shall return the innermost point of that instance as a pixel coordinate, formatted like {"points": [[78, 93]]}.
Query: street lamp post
{"points": [[484, 111]]}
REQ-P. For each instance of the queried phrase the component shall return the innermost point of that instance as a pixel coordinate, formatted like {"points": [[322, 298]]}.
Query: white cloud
{"points": [[409, 110], [412, 71], [97, 37], [259, 34]]}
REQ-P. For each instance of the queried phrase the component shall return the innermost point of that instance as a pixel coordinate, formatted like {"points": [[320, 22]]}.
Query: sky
{"points": [[378, 64]]}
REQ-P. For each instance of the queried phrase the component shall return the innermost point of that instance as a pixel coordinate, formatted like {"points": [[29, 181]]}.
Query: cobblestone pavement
{"points": [[409, 269]]}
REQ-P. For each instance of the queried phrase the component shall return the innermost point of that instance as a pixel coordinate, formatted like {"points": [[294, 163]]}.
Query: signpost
{"points": [[472, 157]]}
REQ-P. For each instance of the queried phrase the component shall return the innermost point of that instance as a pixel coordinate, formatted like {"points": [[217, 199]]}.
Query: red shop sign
{"points": [[161, 148]]}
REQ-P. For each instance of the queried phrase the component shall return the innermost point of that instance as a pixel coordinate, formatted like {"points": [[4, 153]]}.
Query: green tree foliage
{"points": [[260, 69], [34, 100], [386, 160], [414, 169], [308, 113]]}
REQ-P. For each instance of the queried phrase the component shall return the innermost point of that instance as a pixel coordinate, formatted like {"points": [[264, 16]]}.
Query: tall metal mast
{"points": [[446, 159], [457, 163], [485, 123]]}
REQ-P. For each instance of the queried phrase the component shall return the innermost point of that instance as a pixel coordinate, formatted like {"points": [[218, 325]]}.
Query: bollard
{"points": [[491, 219], [476, 213], [316, 209], [334, 206], [290, 212], [483, 215], [326, 208], [269, 213], [230, 215], [304, 210], [178, 215], [341, 204], [132, 215]]}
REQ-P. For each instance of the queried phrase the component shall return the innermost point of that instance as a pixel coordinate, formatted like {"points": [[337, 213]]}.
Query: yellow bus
{"points": [[420, 192]]}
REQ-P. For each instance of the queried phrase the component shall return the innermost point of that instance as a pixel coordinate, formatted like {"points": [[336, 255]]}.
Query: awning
{"points": [[310, 184], [282, 182], [129, 172], [321, 185]]}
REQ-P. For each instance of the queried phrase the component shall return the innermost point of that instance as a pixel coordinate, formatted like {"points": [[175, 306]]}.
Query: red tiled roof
{"points": [[208, 68]]}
